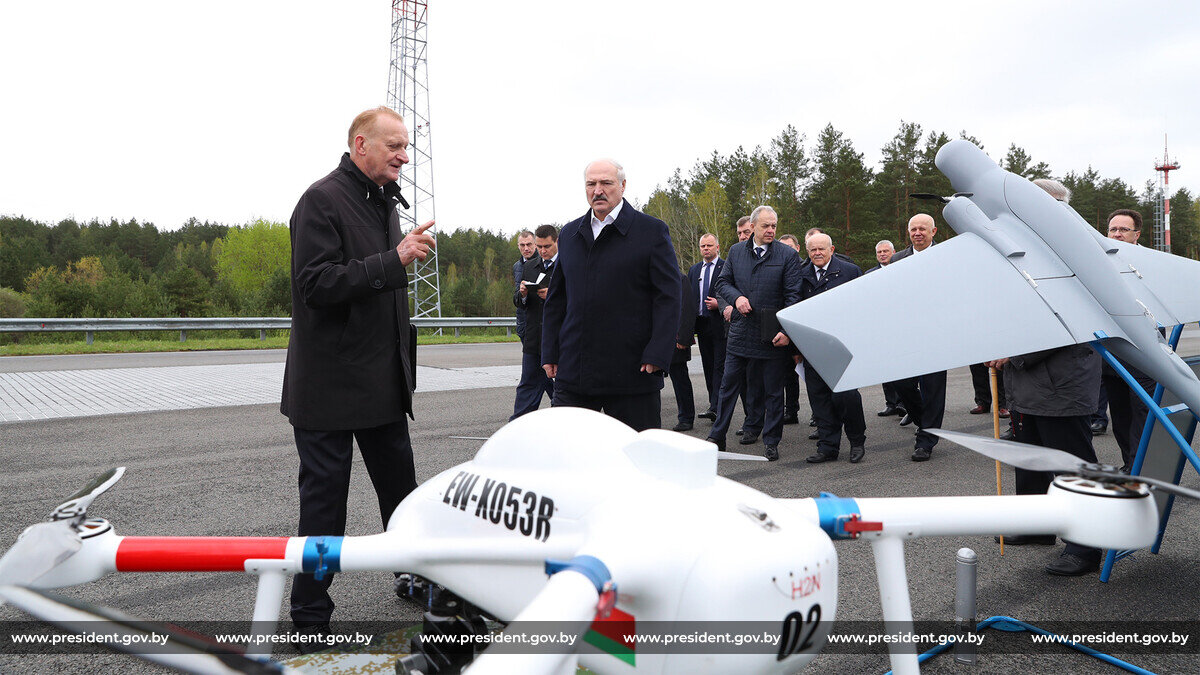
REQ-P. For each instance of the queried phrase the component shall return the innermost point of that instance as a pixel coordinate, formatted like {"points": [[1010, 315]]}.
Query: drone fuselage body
{"points": [[1045, 239]]}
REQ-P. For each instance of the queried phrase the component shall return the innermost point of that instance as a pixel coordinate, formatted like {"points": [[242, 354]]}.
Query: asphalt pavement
{"points": [[231, 470]]}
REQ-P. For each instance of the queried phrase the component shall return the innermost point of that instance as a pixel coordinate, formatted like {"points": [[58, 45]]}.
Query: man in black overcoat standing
{"points": [[531, 297], [760, 277], [351, 358], [610, 318]]}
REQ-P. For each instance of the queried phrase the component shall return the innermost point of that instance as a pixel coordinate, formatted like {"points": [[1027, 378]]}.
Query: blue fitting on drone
{"points": [[833, 512], [322, 555], [589, 566]]}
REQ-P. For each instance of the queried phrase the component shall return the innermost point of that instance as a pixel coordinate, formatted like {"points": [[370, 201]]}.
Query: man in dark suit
{"points": [[709, 325], [531, 294], [840, 410], [528, 252], [924, 397], [351, 360], [884, 250], [1128, 411], [681, 380], [760, 277], [613, 308]]}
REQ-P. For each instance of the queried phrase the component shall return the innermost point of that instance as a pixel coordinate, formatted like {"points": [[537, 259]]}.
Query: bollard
{"points": [[964, 602]]}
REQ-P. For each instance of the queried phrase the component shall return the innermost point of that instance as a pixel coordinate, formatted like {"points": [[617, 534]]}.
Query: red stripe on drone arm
{"points": [[196, 554]]}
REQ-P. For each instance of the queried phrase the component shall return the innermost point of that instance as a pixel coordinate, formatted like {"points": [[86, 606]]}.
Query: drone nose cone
{"points": [[964, 164]]}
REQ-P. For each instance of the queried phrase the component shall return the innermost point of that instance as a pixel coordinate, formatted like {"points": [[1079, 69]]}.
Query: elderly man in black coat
{"points": [[834, 411], [351, 360], [761, 277], [609, 322]]}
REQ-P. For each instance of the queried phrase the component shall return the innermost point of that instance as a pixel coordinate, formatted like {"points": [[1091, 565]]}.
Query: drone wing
{"points": [[1162, 278], [969, 303]]}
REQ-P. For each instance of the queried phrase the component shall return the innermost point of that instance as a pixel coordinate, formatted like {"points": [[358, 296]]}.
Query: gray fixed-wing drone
{"points": [[1056, 280]]}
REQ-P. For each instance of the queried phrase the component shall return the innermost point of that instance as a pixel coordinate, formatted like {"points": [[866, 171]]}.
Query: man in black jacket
{"points": [[1051, 396], [760, 277], [613, 308], [351, 358], [709, 325], [531, 296], [924, 396]]}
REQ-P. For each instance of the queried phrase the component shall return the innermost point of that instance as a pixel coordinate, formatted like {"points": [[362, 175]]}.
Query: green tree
{"points": [[250, 255], [1020, 163], [709, 210]]}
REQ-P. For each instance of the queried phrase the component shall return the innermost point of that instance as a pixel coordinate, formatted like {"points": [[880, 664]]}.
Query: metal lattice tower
{"points": [[408, 94], [1162, 206]]}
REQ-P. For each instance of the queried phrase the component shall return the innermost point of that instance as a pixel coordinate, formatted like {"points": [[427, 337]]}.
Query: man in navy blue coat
{"points": [[610, 318], [834, 411], [710, 325], [760, 277]]}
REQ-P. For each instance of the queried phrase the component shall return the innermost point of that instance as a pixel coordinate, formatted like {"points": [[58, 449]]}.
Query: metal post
{"points": [[262, 334], [966, 573], [89, 335], [183, 336]]}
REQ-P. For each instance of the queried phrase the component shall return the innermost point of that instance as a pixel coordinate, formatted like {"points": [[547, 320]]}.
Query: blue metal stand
{"points": [[1009, 624], [1157, 415]]}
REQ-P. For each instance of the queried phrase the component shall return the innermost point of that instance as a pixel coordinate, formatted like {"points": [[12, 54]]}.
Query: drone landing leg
{"points": [[893, 596], [271, 580]]}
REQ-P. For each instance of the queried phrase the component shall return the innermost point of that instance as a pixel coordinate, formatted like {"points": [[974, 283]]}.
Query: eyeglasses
{"points": [[1122, 230]]}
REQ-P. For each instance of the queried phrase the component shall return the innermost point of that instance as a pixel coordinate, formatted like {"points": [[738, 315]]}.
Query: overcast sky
{"points": [[227, 110]]}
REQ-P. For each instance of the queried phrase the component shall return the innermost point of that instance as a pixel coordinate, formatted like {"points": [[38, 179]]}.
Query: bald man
{"points": [[924, 397], [610, 318]]}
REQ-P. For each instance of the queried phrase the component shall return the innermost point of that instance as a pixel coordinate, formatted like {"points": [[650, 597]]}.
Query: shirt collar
{"points": [[611, 217]]}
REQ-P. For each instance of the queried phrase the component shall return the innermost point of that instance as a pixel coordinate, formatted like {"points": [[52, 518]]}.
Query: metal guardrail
{"points": [[262, 324]]}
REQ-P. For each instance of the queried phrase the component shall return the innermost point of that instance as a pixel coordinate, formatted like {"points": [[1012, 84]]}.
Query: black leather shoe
{"points": [[1008, 435], [748, 439], [791, 419], [682, 426], [1028, 539], [772, 453], [311, 645], [820, 457], [1099, 428], [922, 455], [1071, 565], [814, 436], [856, 454], [888, 411], [710, 415], [906, 420], [739, 432], [812, 421], [719, 442]]}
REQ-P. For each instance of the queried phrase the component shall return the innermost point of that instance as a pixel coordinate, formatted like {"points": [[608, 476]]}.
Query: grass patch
{"points": [[192, 344]]}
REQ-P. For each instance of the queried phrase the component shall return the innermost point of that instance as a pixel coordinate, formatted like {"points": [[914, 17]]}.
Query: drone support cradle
{"points": [[1157, 415]]}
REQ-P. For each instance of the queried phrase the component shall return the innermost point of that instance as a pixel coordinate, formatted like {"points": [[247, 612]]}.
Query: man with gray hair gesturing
{"points": [[760, 277], [611, 315]]}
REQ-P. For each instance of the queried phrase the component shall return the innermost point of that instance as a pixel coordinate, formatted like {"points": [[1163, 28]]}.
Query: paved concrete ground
{"points": [[232, 470]]}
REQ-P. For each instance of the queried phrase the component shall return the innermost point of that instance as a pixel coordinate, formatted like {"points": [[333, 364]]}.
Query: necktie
{"points": [[547, 265], [820, 273], [758, 252], [704, 286]]}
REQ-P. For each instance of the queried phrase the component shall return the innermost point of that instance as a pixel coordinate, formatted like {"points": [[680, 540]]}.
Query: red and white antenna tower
{"points": [[408, 94], [1162, 211]]}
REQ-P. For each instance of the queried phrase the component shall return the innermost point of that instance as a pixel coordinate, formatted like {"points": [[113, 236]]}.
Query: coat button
{"points": [[377, 283]]}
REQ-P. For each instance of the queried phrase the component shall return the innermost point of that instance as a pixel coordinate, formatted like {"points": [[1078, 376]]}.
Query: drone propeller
{"points": [[725, 454], [174, 648], [78, 503], [42, 547], [1038, 458]]}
